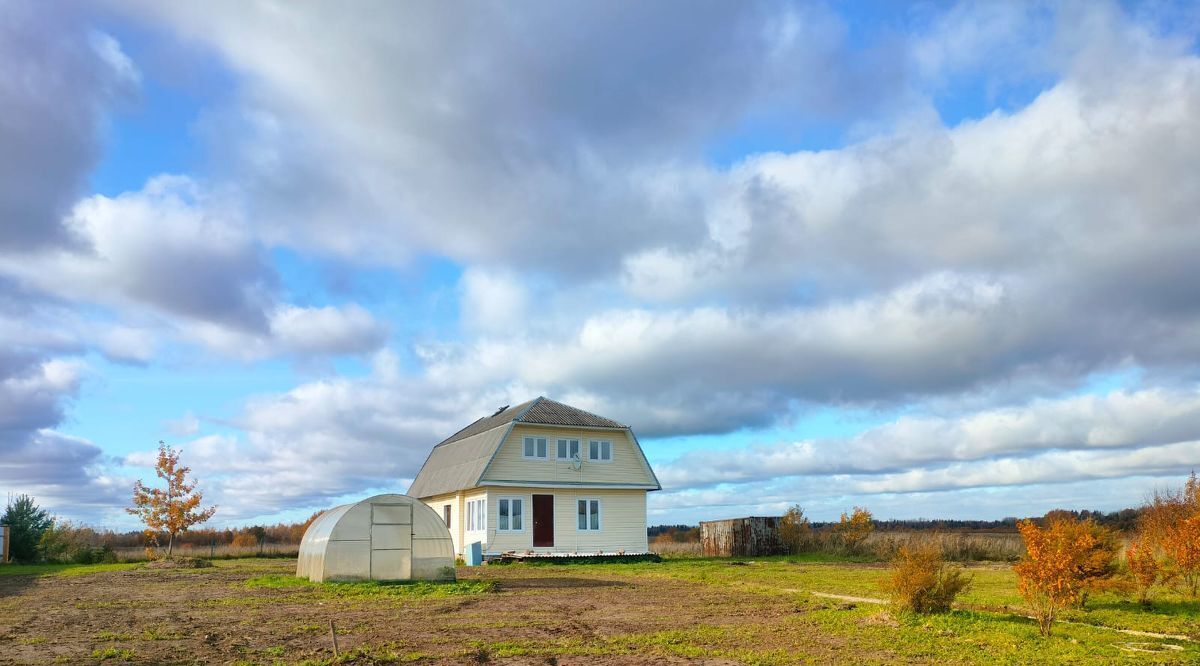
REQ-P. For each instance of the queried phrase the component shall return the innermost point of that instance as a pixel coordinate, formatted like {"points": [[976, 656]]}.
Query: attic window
{"points": [[600, 450], [568, 448], [535, 447]]}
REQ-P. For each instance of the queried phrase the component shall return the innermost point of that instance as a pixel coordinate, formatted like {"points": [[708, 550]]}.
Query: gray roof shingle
{"points": [[460, 460]]}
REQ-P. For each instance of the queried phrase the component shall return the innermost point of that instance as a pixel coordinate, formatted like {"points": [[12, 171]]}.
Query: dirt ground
{"points": [[212, 616]]}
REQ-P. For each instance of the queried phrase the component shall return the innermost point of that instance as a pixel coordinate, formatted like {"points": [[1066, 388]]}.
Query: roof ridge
{"points": [[573, 407]]}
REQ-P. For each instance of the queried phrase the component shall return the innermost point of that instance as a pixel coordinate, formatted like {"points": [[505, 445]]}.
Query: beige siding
{"points": [[456, 514], [622, 512], [510, 465]]}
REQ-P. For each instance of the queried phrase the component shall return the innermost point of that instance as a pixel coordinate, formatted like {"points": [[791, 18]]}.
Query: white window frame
{"points": [[588, 514], [509, 499], [476, 515], [600, 451], [535, 439], [567, 441]]}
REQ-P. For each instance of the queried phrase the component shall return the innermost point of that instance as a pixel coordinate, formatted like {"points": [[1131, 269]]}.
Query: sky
{"points": [[935, 259]]}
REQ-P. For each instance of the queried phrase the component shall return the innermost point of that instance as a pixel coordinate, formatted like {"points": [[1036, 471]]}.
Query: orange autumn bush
{"points": [[1171, 521], [921, 581], [1060, 563], [1144, 568]]}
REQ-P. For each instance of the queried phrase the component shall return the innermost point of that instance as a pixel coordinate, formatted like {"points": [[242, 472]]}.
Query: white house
{"points": [[542, 477]]}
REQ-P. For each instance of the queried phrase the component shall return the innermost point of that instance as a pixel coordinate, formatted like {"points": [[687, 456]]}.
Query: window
{"points": [[476, 512], [600, 450], [511, 516], [589, 514], [568, 448], [535, 447], [446, 515]]}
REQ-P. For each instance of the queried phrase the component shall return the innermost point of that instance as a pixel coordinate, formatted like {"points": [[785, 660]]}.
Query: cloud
{"points": [[181, 254], [168, 248], [492, 136], [1015, 439], [57, 81], [493, 302]]}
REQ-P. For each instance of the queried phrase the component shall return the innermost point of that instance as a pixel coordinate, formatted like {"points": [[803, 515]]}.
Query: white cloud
{"points": [[58, 80], [1003, 443], [493, 302]]}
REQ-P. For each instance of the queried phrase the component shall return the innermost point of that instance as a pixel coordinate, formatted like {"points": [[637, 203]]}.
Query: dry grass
{"points": [[669, 548], [221, 552]]}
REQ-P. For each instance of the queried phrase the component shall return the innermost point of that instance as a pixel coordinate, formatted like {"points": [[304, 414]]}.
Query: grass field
{"points": [[254, 611]]}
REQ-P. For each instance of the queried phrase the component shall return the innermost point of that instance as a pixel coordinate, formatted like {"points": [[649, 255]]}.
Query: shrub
{"points": [[1057, 567], [794, 530], [921, 581], [244, 540], [854, 529], [1143, 567], [1171, 521], [64, 542]]}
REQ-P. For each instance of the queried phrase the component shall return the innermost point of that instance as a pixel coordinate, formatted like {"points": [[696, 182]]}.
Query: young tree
{"points": [[855, 528], [1144, 568], [794, 530], [1171, 521], [1053, 574], [26, 522], [173, 509]]}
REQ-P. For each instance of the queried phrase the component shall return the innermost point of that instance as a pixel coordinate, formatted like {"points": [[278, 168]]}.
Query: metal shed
{"points": [[753, 536], [385, 537]]}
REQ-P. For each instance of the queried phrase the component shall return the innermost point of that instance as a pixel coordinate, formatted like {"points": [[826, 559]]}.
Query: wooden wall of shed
{"points": [[741, 537]]}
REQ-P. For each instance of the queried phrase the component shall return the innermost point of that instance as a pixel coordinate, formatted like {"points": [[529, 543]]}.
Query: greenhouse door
{"points": [[391, 541]]}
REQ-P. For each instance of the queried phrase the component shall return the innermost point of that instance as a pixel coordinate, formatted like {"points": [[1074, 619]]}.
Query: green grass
{"points": [[112, 653], [64, 569], [371, 589]]}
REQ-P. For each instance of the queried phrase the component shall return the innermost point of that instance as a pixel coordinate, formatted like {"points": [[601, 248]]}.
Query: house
{"points": [[542, 477]]}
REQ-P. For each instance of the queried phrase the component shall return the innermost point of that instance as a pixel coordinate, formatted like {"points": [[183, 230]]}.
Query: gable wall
{"points": [[511, 465]]}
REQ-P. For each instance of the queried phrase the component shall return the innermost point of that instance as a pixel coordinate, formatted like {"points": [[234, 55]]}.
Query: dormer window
{"points": [[536, 447], [600, 450], [568, 449]]}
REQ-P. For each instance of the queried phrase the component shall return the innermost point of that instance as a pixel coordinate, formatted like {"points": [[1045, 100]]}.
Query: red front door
{"points": [[543, 521]]}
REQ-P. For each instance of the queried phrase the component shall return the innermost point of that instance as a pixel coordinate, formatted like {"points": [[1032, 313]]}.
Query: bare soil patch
{"points": [[546, 614]]}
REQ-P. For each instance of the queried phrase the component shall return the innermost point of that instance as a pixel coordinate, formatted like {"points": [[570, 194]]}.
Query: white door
{"points": [[391, 541]]}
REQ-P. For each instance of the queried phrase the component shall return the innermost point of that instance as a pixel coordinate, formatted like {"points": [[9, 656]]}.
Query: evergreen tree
{"points": [[27, 522]]}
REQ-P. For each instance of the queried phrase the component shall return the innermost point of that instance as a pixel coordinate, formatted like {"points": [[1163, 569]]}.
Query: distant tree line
{"points": [[1125, 520], [38, 536]]}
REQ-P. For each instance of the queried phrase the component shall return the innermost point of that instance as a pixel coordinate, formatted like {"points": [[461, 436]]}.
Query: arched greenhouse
{"points": [[385, 537]]}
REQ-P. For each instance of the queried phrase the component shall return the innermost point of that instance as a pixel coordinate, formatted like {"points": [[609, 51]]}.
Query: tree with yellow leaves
{"points": [[1172, 522], [1054, 573], [855, 528], [1144, 568], [173, 509]]}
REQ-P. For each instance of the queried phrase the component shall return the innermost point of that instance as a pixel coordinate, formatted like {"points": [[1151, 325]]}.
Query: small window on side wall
{"points": [[446, 514], [600, 450]]}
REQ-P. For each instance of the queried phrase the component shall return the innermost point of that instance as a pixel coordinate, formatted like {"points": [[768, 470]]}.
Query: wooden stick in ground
{"points": [[333, 634]]}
